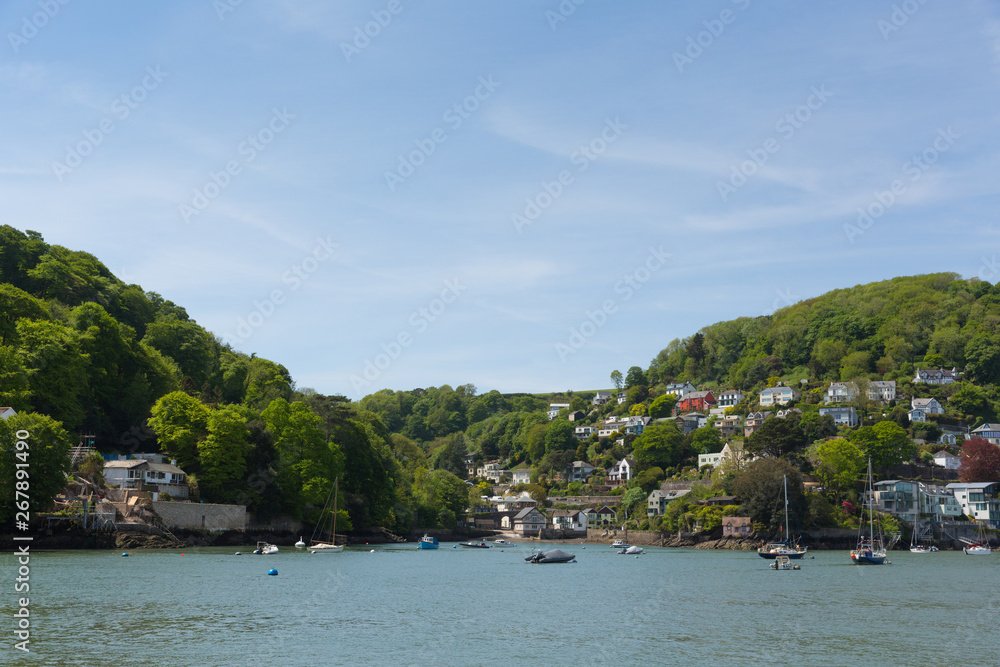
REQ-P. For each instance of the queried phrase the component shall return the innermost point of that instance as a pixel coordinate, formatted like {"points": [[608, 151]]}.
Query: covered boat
{"points": [[553, 556]]}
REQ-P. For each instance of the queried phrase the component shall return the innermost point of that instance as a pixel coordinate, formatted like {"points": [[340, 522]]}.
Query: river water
{"points": [[397, 605]]}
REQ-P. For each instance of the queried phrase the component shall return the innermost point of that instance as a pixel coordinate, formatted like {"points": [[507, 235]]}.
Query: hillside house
{"points": [[554, 409], [622, 397], [7, 413], [882, 390], [947, 460], [570, 520], [753, 422], [521, 474], [690, 422], [152, 476], [730, 398], [696, 401], [584, 432], [601, 398], [729, 425], [778, 396], [621, 472], [939, 376], [579, 471], [600, 518], [529, 522], [980, 500], [679, 389], [989, 432], [842, 415], [840, 392]]}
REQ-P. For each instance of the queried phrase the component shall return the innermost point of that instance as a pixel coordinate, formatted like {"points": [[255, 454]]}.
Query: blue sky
{"points": [[523, 196]]}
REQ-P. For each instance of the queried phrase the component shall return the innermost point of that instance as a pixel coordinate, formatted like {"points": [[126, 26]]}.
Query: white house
{"points": [[938, 503], [621, 472], [930, 406], [125, 474], [622, 397], [584, 432], [840, 392], [554, 409], [940, 376], [729, 398], [6, 413], [573, 520], [152, 476], [946, 460], [601, 398], [520, 475], [778, 396], [980, 500], [679, 389], [989, 432], [882, 390], [709, 460], [842, 415], [529, 522]]}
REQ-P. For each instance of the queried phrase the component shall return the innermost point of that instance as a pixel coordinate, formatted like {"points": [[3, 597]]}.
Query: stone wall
{"points": [[201, 516]]}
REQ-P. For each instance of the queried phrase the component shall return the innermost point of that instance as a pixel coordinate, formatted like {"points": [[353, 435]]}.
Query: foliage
{"points": [[760, 486], [663, 406], [46, 451], [776, 437], [660, 445], [980, 461], [837, 463], [885, 443]]}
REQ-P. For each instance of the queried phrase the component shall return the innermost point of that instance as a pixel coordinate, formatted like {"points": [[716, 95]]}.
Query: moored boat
{"points": [[981, 547], [631, 551], [481, 544], [785, 548], [620, 544], [553, 556], [500, 542], [427, 542], [871, 549], [265, 548], [784, 563]]}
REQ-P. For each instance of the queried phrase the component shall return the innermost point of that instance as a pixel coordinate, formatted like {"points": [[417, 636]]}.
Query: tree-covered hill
{"points": [[880, 330]]}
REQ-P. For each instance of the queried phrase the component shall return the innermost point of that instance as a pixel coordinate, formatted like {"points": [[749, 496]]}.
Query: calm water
{"points": [[454, 606]]}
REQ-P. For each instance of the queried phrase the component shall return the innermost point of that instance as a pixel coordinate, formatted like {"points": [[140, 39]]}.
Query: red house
{"points": [[696, 401]]}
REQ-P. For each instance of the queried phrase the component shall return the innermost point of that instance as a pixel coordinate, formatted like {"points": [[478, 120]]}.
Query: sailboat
{"points": [[870, 549], [785, 548], [320, 547], [915, 544], [981, 547]]}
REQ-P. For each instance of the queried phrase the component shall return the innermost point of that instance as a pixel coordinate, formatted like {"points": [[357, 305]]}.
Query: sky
{"points": [[520, 195]]}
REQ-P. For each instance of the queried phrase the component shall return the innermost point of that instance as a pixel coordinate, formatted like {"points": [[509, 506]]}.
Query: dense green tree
{"points": [[449, 454], [837, 463], [560, 437], [15, 304], [815, 426], [663, 406], [776, 437], [180, 422], [661, 445], [982, 355], [885, 443], [57, 370], [617, 380], [45, 450], [760, 487], [635, 378], [222, 454], [633, 505], [190, 346]]}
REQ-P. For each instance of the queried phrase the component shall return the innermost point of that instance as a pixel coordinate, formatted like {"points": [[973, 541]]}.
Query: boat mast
{"points": [[787, 534], [871, 507]]}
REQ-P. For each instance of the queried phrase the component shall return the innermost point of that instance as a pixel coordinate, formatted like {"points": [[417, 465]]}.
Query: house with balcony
{"points": [[520, 474], [579, 471], [842, 415], [679, 389], [840, 392], [696, 401], [921, 407], [897, 497], [150, 474], [730, 398], [529, 522], [729, 425], [491, 471], [584, 432], [979, 500], [622, 397], [570, 520], [690, 422], [554, 409], [514, 503], [601, 398], [882, 390], [622, 471], [939, 376], [753, 422], [989, 432], [600, 518], [778, 396]]}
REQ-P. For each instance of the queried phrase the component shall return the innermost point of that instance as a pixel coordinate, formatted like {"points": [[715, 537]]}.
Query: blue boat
{"points": [[428, 542]]}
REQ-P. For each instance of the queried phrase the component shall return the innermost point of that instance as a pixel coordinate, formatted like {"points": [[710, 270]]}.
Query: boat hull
{"points": [[428, 545], [977, 551], [325, 549], [470, 545], [867, 558]]}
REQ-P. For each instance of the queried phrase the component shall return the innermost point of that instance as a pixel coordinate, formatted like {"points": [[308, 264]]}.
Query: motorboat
{"points": [[620, 544], [553, 556], [500, 542], [481, 544], [265, 548], [784, 563], [427, 542], [631, 551]]}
